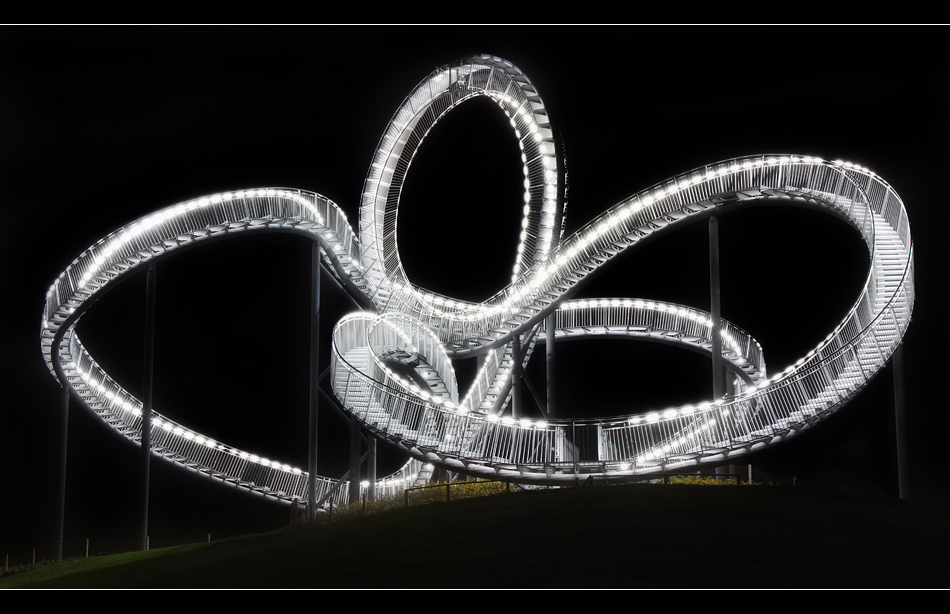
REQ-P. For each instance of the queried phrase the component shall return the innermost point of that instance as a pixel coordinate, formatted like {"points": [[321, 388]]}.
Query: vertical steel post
{"points": [[715, 334], [516, 377], [314, 378], [354, 460], [900, 423], [146, 432], [61, 489], [715, 331], [550, 365], [371, 467]]}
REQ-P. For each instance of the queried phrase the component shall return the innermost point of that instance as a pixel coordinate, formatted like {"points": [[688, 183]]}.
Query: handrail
{"points": [[454, 433]]}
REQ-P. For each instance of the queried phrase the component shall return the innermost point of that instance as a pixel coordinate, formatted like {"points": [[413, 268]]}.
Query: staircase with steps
{"points": [[369, 267]]}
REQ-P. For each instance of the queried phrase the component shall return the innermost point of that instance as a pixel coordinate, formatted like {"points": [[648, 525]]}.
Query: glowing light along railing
{"points": [[156, 235], [622, 226], [438, 94], [462, 434], [662, 322], [840, 188]]}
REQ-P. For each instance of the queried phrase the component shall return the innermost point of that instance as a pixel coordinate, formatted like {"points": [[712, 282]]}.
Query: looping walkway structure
{"points": [[392, 364]]}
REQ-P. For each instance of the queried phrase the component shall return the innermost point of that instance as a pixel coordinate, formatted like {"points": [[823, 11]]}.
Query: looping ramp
{"points": [[392, 367]]}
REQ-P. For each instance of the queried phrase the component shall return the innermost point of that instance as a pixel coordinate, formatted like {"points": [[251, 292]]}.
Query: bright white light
{"points": [[461, 323]]}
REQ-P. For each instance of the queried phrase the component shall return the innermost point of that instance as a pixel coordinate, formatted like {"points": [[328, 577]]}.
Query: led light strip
{"points": [[453, 433]]}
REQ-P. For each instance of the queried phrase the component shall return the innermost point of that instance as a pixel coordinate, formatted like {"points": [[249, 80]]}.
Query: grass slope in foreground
{"points": [[635, 536]]}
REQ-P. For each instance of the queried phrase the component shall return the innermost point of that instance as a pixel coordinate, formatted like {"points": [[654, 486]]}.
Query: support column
{"points": [[354, 460], [549, 327], [146, 432], [61, 490], [715, 331], [900, 423], [371, 467], [715, 311], [314, 377], [516, 377]]}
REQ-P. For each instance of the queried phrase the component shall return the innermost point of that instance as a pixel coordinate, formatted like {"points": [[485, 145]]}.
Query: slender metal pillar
{"points": [[371, 467], [550, 365], [715, 334], [354, 460], [146, 433], [900, 423], [61, 490], [516, 377], [314, 376], [714, 309]]}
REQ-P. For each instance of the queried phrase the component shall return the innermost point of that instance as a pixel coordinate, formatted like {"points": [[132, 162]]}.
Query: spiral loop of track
{"points": [[392, 365]]}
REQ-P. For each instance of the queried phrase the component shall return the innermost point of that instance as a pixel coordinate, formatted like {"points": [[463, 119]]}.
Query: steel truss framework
{"points": [[392, 365]]}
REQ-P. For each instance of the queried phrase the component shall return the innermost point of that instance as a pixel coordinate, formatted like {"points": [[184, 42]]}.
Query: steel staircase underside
{"points": [[416, 329]]}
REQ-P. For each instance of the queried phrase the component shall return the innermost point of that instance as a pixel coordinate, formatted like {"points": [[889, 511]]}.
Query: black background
{"points": [[102, 125]]}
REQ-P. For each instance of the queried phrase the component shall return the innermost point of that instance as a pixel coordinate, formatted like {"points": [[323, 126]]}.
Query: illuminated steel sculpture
{"points": [[392, 366]]}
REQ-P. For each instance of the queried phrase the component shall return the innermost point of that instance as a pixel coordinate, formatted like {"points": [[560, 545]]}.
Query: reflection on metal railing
{"points": [[767, 410], [392, 367]]}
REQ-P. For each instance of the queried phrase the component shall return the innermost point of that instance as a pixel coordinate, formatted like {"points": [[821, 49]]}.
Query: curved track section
{"points": [[392, 366], [638, 319], [765, 412], [165, 233], [439, 93]]}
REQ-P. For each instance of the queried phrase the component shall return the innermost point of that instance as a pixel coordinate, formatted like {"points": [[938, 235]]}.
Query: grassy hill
{"points": [[636, 536]]}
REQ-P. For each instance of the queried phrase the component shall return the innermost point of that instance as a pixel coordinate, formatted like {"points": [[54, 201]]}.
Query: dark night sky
{"points": [[100, 126]]}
